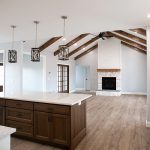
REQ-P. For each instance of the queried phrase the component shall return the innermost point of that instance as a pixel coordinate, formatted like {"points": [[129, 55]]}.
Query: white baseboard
{"points": [[147, 124], [80, 89], [134, 93], [72, 91]]}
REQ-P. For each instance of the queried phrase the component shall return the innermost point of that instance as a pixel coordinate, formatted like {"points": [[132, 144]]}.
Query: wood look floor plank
{"points": [[113, 123]]}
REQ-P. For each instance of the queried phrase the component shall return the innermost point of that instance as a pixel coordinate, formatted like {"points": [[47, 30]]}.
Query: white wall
{"points": [[90, 60], [109, 54], [13, 71], [32, 74], [134, 78], [51, 72]]}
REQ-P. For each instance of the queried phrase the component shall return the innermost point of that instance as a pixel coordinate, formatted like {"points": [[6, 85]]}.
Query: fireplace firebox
{"points": [[108, 83]]}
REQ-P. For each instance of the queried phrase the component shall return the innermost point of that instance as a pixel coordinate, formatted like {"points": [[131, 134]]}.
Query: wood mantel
{"points": [[108, 70]]}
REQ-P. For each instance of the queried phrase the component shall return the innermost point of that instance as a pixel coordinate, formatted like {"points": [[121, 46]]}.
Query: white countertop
{"points": [[46, 97], [6, 131]]}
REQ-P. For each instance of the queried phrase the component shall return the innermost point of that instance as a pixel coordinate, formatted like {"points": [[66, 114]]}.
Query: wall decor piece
{"points": [[35, 52], [12, 54], [63, 49]]}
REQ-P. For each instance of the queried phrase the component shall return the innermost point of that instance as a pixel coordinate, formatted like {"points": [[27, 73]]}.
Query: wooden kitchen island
{"points": [[55, 119]]}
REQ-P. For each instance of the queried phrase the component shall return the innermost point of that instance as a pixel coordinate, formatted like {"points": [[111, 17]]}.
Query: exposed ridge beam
{"points": [[130, 36], [84, 45], [49, 42], [128, 41], [86, 52], [78, 38], [139, 31], [133, 47]]}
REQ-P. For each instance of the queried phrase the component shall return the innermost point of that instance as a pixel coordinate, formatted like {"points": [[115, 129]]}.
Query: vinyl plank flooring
{"points": [[113, 123]]}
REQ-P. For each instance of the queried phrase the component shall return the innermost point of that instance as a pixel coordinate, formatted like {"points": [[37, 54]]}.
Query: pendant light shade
{"points": [[63, 49], [35, 53], [63, 52], [12, 54]]}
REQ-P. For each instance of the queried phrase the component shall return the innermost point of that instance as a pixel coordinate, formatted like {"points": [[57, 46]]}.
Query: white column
{"points": [[148, 77]]}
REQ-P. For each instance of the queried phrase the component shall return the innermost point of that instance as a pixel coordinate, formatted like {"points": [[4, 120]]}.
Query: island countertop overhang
{"points": [[50, 98]]}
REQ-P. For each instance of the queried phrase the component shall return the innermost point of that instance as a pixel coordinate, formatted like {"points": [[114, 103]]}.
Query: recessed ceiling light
{"points": [[75, 44], [148, 16], [63, 39], [84, 48]]}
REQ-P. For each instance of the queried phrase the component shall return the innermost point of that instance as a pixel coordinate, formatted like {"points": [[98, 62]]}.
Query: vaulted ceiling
{"points": [[84, 16], [127, 22]]}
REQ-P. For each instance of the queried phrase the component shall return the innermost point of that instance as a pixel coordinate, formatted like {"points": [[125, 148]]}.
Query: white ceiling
{"points": [[83, 16]]}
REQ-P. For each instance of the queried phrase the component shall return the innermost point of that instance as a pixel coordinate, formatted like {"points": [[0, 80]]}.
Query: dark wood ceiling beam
{"points": [[130, 36], [139, 31], [128, 41], [77, 39], [84, 45], [86, 52], [133, 47], [49, 42]]}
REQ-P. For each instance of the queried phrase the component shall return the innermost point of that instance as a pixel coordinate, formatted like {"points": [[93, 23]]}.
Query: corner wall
{"points": [[134, 71], [90, 60]]}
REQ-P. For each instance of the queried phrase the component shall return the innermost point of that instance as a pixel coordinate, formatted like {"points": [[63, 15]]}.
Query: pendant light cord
{"points": [[64, 28], [36, 35], [64, 31], [13, 35], [36, 29]]}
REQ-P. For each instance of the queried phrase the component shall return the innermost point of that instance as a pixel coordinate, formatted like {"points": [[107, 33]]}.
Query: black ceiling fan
{"points": [[102, 35]]}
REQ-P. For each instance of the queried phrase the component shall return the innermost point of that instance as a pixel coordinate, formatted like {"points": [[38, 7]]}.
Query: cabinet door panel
{"points": [[61, 129], [42, 126], [2, 115]]}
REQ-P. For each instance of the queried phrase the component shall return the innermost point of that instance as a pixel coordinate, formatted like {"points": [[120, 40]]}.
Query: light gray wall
{"points": [[90, 60], [134, 71]]}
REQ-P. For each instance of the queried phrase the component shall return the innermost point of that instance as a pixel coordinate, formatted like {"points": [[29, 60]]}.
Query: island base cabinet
{"points": [[58, 125], [2, 115], [52, 127]]}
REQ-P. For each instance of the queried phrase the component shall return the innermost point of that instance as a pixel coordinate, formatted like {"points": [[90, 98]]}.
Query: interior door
{"points": [[87, 78]]}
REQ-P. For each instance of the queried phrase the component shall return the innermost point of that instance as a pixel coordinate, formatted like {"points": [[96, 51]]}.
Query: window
{"points": [[63, 78]]}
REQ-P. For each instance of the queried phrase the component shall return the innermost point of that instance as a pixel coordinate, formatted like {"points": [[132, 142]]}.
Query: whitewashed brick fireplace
{"points": [[110, 73], [109, 67]]}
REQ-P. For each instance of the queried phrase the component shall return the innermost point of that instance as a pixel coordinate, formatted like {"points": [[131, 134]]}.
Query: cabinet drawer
{"points": [[2, 102], [21, 128], [19, 104], [19, 115], [57, 109]]}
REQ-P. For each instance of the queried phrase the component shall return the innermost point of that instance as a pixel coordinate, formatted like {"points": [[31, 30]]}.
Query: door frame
{"points": [[62, 76]]}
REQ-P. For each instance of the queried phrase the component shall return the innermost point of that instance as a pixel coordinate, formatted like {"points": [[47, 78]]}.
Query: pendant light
{"points": [[63, 49], [35, 53], [12, 54]]}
